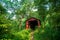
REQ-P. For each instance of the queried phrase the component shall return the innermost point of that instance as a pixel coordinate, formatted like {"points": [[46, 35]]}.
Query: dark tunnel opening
{"points": [[33, 24]]}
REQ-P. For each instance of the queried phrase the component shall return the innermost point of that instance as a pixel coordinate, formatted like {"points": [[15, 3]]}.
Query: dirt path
{"points": [[31, 35]]}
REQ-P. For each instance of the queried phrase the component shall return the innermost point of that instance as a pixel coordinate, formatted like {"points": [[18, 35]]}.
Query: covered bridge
{"points": [[32, 23]]}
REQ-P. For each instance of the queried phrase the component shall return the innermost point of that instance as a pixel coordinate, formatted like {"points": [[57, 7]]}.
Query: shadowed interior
{"points": [[33, 24]]}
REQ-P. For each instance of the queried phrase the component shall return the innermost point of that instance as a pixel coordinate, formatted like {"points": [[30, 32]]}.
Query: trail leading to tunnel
{"points": [[32, 35]]}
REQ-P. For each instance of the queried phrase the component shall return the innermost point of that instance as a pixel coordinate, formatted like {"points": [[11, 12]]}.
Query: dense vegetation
{"points": [[14, 13]]}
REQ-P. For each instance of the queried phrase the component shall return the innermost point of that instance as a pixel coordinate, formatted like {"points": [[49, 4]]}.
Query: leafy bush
{"points": [[22, 35], [44, 34]]}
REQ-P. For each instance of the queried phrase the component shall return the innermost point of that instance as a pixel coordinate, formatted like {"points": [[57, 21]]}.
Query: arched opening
{"points": [[33, 24]]}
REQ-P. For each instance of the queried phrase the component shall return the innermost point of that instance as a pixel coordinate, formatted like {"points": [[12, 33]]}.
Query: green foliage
{"points": [[46, 33], [47, 11], [2, 9], [22, 35]]}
